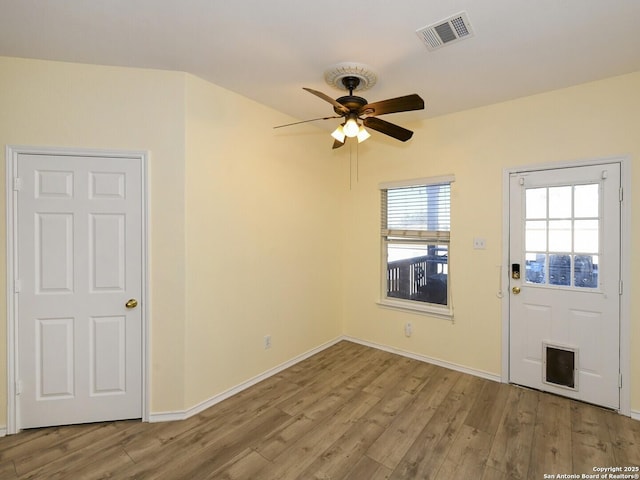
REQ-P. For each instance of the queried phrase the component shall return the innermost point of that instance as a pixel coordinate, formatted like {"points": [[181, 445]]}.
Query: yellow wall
{"points": [[594, 120], [261, 233], [263, 244]]}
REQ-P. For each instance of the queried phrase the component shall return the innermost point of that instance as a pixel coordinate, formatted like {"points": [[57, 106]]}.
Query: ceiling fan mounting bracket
{"points": [[350, 83]]}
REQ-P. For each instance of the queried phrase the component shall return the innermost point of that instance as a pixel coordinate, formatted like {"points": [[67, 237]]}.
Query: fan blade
{"points": [[306, 121], [327, 98], [393, 105], [337, 144], [387, 128]]}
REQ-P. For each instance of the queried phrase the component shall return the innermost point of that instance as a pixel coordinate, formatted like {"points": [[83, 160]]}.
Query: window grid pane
{"points": [[562, 234]]}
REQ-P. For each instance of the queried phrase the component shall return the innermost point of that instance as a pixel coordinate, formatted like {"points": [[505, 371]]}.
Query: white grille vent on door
{"points": [[445, 32]]}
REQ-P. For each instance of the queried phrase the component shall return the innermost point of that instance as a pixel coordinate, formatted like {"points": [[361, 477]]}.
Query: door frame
{"points": [[11, 157], [625, 270]]}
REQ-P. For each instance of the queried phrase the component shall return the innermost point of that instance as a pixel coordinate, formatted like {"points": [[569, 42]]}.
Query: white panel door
{"points": [[564, 307], [79, 261]]}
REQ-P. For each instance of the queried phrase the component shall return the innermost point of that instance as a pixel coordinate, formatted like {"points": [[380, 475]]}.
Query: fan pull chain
{"points": [[358, 162], [351, 164]]}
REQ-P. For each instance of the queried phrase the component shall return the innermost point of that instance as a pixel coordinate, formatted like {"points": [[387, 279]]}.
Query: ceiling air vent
{"points": [[445, 32]]}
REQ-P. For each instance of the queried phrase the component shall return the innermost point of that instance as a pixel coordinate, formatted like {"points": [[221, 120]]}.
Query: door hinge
{"points": [[17, 286], [619, 380], [18, 387], [620, 194], [620, 288], [17, 184]]}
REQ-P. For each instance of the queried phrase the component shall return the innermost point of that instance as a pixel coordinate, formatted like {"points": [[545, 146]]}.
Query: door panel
{"points": [[54, 252], [79, 260], [564, 307], [108, 359], [54, 358], [107, 253]]}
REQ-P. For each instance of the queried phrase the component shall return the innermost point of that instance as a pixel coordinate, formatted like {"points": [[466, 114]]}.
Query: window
{"points": [[416, 225], [562, 235]]}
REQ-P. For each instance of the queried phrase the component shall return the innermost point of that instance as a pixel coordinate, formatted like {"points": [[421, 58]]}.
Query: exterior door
{"points": [[565, 282], [78, 263]]}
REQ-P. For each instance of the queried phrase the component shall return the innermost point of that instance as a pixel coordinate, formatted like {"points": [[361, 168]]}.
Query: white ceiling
{"points": [[268, 51]]}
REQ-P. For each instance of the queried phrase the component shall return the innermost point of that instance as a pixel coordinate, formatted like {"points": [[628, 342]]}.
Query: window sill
{"points": [[415, 307]]}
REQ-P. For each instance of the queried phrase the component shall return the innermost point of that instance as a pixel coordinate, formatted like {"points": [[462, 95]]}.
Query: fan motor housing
{"points": [[352, 102]]}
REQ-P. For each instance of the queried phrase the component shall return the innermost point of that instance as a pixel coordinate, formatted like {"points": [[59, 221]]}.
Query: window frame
{"points": [[434, 238]]}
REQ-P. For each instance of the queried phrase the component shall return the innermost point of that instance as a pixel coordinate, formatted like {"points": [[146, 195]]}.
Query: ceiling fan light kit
{"points": [[354, 77], [339, 134], [362, 134], [351, 126]]}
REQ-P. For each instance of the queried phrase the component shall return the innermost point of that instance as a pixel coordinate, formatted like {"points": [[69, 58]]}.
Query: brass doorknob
{"points": [[131, 303], [515, 290]]}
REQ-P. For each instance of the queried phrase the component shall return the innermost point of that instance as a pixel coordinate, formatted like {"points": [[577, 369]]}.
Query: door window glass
{"points": [[562, 235]]}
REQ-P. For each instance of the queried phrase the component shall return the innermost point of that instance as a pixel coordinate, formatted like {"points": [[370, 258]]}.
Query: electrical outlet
{"points": [[408, 329], [267, 342], [479, 243]]}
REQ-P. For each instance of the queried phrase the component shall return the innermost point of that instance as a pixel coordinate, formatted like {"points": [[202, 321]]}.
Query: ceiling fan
{"points": [[355, 109]]}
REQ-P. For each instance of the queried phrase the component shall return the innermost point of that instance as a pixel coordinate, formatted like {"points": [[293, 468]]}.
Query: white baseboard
{"points": [[3, 431], [184, 414], [424, 358], [635, 414]]}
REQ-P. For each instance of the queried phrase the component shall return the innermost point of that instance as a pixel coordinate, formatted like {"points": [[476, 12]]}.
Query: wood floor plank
{"points": [[551, 450], [37, 439], [197, 456], [8, 471], [491, 473], [57, 450], [337, 460], [282, 438], [98, 467], [625, 439], [325, 383], [91, 456], [397, 368], [319, 366], [429, 450], [511, 448], [295, 459], [366, 468], [322, 407], [489, 407], [418, 376], [467, 456], [590, 439], [394, 443], [246, 466]]}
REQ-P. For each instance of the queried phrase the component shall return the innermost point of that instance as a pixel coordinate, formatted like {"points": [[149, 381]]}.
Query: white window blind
{"points": [[419, 211]]}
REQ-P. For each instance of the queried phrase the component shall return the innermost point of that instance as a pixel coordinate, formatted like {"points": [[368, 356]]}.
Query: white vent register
{"points": [[446, 32]]}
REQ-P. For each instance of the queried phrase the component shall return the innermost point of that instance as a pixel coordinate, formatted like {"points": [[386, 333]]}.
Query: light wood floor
{"points": [[350, 412]]}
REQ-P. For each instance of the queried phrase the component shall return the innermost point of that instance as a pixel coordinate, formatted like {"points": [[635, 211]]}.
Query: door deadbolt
{"points": [[515, 271], [131, 303]]}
